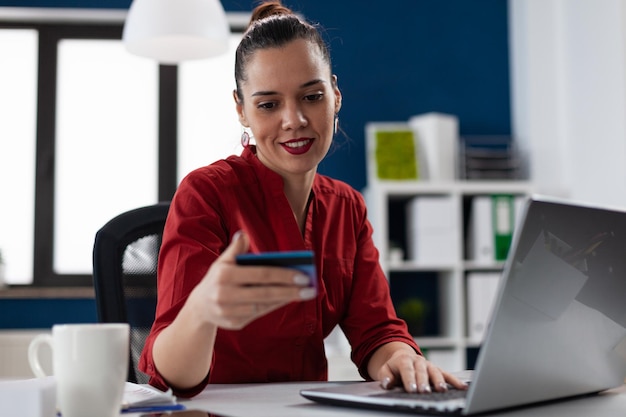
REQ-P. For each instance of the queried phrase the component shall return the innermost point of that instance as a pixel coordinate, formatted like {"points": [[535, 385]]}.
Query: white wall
{"points": [[14, 354], [569, 96]]}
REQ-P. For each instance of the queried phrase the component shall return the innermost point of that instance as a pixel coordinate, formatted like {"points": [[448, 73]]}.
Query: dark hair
{"points": [[273, 25]]}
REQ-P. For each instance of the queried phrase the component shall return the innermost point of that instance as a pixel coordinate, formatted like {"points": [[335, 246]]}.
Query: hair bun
{"points": [[267, 9]]}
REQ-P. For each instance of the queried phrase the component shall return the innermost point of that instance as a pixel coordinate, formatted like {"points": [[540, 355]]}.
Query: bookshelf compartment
{"points": [[423, 228], [417, 299], [446, 359]]}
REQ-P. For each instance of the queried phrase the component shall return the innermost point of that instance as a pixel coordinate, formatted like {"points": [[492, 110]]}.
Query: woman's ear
{"points": [[239, 108], [337, 94]]}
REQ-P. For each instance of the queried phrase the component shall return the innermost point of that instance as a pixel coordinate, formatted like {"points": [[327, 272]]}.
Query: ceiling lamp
{"points": [[172, 31]]}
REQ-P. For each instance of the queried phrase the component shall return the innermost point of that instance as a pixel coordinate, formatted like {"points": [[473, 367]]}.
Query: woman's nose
{"points": [[293, 117]]}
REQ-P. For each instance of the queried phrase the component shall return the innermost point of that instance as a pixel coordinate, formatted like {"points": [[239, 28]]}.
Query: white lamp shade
{"points": [[172, 31]]}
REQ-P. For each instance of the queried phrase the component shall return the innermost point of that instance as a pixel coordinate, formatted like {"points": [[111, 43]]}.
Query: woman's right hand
{"points": [[230, 296]]}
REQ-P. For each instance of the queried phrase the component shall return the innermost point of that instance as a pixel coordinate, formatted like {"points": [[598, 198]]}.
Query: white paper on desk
{"points": [[35, 397], [141, 395]]}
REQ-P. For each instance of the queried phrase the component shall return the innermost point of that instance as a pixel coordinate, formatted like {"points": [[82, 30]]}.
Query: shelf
{"points": [[437, 278], [477, 266], [436, 342], [408, 188], [472, 344], [410, 266]]}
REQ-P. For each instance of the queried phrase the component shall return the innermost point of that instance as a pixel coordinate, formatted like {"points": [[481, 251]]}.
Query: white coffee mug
{"points": [[90, 365]]}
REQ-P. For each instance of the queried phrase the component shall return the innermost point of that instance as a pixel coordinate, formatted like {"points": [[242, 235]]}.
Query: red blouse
{"points": [[240, 193]]}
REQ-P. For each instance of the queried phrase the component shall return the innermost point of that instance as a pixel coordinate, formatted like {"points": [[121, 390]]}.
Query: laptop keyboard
{"points": [[451, 394]]}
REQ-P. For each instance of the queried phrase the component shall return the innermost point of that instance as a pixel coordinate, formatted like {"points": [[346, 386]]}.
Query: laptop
{"points": [[557, 327]]}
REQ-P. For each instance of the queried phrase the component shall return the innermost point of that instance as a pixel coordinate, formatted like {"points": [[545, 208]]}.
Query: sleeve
{"points": [[371, 320], [193, 238]]}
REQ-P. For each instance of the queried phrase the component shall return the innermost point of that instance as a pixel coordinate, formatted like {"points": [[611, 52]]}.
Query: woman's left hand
{"points": [[397, 364]]}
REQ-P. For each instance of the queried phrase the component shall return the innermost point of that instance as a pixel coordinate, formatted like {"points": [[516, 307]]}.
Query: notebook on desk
{"points": [[558, 325]]}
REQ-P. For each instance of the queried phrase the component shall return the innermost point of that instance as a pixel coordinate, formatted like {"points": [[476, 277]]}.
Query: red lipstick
{"points": [[298, 146]]}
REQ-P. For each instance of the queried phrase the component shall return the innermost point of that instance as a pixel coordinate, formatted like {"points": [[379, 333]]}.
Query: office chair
{"points": [[125, 256]]}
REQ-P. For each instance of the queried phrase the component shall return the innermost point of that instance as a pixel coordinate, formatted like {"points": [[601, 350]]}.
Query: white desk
{"points": [[284, 400]]}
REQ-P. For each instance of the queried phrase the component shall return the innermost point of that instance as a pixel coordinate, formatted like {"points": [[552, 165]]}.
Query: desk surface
{"points": [[284, 400]]}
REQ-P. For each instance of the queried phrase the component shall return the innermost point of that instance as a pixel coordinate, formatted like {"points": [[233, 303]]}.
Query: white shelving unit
{"points": [[445, 341]]}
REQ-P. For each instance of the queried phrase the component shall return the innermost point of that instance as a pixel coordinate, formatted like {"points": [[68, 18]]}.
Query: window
{"points": [[18, 82], [106, 143], [95, 131], [209, 128]]}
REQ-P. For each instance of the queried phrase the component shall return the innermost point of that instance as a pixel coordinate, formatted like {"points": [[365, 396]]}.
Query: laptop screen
{"points": [[561, 316]]}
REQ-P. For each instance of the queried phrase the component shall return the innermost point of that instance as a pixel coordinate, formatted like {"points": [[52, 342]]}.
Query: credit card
{"points": [[302, 260]]}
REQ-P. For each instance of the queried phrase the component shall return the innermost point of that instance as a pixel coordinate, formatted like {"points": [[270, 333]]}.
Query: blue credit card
{"points": [[302, 260]]}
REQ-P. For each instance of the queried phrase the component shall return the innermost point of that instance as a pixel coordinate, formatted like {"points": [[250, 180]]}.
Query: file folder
{"points": [[481, 293], [432, 229], [438, 138], [490, 231], [502, 209], [480, 248]]}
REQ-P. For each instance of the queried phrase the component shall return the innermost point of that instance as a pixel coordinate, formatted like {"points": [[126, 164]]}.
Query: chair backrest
{"points": [[125, 257]]}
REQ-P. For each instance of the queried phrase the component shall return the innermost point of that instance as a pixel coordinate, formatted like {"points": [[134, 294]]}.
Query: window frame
{"points": [[53, 25]]}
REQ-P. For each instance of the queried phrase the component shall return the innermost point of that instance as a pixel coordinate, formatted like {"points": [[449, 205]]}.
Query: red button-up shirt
{"points": [[240, 193]]}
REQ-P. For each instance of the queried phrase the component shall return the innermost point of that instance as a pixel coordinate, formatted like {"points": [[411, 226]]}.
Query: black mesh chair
{"points": [[125, 256]]}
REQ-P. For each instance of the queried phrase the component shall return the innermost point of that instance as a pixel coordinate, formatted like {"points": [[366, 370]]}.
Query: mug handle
{"points": [[33, 350]]}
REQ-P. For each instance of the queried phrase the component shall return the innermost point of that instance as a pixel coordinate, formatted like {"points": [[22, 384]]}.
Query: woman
{"points": [[218, 322]]}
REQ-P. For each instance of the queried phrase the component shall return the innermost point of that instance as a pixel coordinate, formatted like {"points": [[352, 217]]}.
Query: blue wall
{"points": [[42, 313], [394, 59]]}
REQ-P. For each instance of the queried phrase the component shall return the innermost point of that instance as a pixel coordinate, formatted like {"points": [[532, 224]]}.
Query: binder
{"points": [[502, 211], [432, 227], [438, 138], [490, 230], [480, 244], [481, 292], [445, 359]]}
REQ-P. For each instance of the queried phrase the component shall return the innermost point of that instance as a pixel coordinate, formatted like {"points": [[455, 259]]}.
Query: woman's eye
{"points": [[266, 106], [314, 97]]}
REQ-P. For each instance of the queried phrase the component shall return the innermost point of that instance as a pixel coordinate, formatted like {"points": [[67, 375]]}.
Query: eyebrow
{"points": [[305, 85]]}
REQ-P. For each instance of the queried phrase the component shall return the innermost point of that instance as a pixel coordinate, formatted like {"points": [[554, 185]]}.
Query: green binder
{"points": [[502, 207]]}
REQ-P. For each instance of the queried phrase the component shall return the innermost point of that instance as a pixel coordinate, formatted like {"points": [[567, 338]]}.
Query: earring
{"points": [[336, 126], [245, 139]]}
